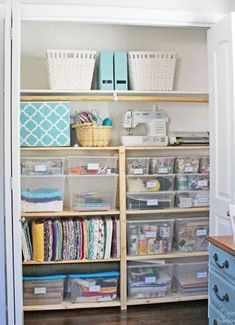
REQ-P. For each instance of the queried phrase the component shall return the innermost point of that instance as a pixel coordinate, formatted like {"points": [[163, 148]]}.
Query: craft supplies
{"points": [[92, 192], [44, 290], [150, 183], [186, 165], [191, 234], [150, 237], [93, 287], [192, 199], [161, 165], [72, 239], [204, 165], [42, 166], [42, 193], [192, 277], [192, 182], [150, 201], [149, 279], [138, 166], [92, 165]]}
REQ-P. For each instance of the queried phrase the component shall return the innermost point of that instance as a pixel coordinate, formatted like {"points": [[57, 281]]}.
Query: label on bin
{"points": [[150, 234], [40, 168], [94, 289], [201, 275], [202, 232], [92, 166], [152, 202], [150, 279], [188, 169], [163, 170], [138, 171], [40, 291], [202, 183], [152, 184], [203, 199], [185, 202]]}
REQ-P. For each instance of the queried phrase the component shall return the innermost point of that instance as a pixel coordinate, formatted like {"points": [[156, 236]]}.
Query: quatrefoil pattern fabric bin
{"points": [[45, 124]]}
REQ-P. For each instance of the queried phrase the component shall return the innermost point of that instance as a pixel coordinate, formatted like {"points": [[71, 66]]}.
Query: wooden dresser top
{"points": [[224, 242]]}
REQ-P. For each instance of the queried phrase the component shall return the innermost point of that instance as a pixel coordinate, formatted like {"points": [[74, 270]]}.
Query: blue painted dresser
{"points": [[221, 281]]}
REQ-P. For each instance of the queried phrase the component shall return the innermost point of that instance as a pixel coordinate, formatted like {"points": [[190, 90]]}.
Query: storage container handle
{"points": [[225, 296], [221, 266]]}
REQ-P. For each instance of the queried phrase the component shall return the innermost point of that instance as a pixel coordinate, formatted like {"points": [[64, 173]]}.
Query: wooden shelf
{"points": [[68, 148], [68, 213], [172, 298], [70, 305], [125, 96], [167, 256], [73, 261], [173, 210], [170, 148]]}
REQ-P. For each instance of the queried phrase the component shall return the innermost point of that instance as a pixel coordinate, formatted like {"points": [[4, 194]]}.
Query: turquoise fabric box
{"points": [[105, 71], [120, 71], [44, 124]]}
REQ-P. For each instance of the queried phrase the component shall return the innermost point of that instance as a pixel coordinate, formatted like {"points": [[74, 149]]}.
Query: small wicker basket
{"points": [[91, 135]]}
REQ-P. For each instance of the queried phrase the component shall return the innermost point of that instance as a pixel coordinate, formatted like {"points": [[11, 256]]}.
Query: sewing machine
{"points": [[155, 122]]}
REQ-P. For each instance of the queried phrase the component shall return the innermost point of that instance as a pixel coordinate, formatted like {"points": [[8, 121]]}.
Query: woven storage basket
{"points": [[91, 135], [151, 71], [70, 70]]}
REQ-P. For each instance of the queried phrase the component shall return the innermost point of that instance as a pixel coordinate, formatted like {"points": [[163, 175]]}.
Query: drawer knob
{"points": [[221, 266], [215, 322], [225, 296]]}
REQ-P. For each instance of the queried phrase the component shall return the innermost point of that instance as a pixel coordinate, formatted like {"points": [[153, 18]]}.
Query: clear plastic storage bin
{"points": [[150, 237], [150, 201], [192, 199], [44, 290], [149, 279], [192, 278], [162, 165], [185, 165], [42, 193], [92, 165], [93, 287], [150, 183], [137, 166], [191, 234], [192, 182], [42, 166], [204, 165], [92, 192]]}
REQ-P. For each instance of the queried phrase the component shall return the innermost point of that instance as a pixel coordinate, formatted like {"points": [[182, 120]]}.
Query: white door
{"points": [[221, 61]]}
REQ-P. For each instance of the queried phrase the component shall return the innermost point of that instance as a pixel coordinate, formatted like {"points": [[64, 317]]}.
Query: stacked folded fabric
{"points": [[72, 239], [42, 199]]}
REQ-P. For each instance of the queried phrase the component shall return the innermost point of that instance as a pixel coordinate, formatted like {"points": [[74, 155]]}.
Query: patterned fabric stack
{"points": [[71, 239]]}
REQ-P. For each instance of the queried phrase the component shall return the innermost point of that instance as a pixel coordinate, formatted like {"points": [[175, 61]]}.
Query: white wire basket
{"points": [[151, 71], [70, 70]]}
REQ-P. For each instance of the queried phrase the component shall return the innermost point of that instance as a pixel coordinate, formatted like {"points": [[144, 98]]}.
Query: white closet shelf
{"points": [[69, 213], [70, 305], [73, 261], [172, 298], [175, 254], [126, 96], [173, 210]]}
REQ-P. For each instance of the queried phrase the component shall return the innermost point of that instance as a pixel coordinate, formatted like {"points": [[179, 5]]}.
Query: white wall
{"points": [[220, 6]]}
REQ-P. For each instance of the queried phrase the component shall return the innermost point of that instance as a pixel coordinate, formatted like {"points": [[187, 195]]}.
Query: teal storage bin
{"points": [[44, 124], [105, 71], [120, 71]]}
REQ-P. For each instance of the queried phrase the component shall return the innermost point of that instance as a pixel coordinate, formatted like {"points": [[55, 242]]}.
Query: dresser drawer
{"points": [[222, 292], [218, 317], [222, 262]]}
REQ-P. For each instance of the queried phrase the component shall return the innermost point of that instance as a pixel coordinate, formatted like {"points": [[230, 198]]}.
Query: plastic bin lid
{"points": [[92, 275], [46, 277]]}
